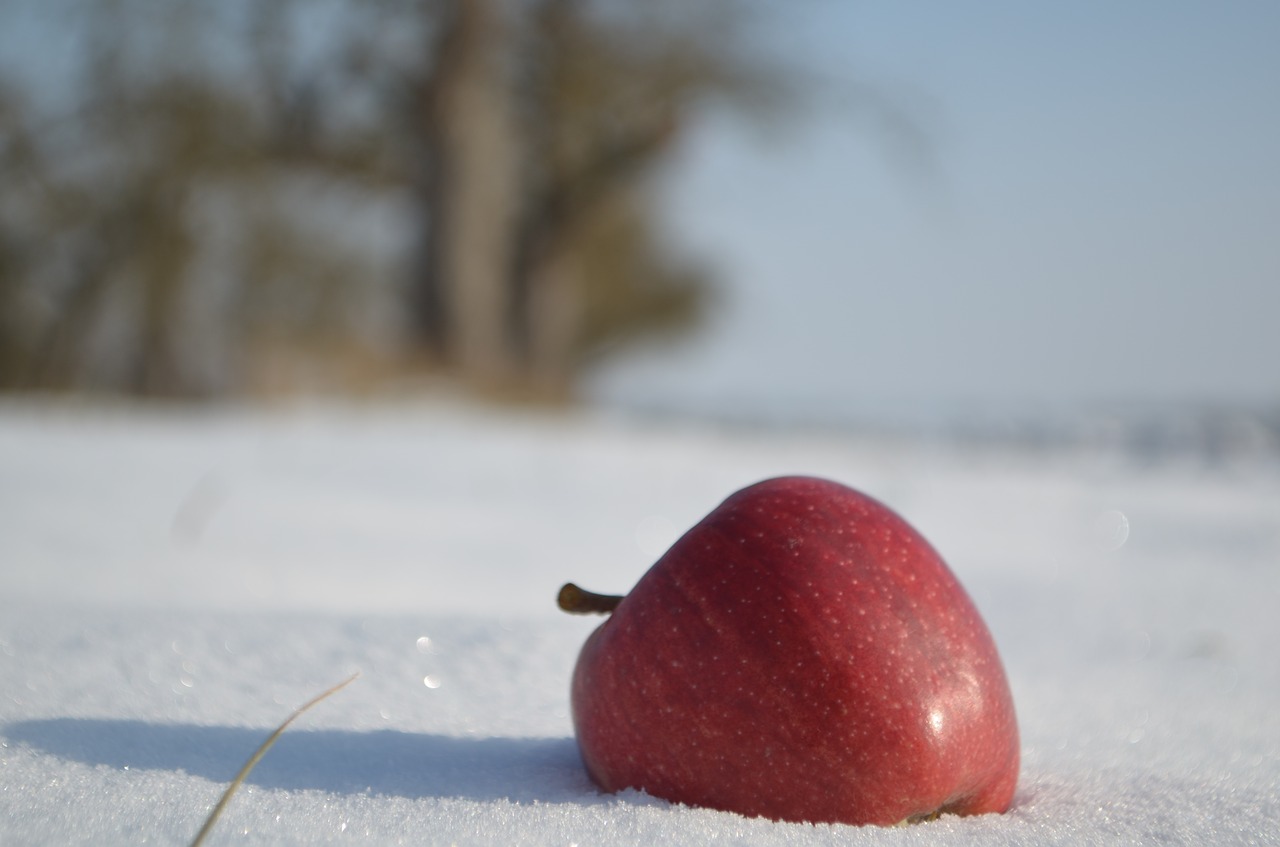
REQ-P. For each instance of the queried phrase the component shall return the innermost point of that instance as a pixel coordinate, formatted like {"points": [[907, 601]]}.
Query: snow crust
{"points": [[174, 582]]}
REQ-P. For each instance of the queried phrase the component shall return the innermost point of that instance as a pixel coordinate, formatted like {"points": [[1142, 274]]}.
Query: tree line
{"points": [[231, 196], [216, 197]]}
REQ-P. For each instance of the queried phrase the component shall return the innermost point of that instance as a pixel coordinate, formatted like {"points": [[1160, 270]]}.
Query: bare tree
{"points": [[584, 99], [165, 236], [110, 253]]}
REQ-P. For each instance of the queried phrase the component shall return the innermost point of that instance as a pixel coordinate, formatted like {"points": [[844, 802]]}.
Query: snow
{"points": [[173, 582]]}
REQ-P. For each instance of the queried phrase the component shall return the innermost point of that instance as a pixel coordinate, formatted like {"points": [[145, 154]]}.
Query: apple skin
{"points": [[801, 654]]}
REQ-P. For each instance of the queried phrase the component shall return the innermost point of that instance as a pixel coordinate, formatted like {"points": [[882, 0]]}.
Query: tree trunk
{"points": [[474, 194], [555, 311]]}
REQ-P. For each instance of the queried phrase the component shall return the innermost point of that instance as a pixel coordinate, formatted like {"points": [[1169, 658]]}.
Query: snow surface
{"points": [[173, 582]]}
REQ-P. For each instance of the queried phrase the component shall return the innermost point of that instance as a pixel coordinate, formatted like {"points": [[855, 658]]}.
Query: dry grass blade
{"points": [[257, 757]]}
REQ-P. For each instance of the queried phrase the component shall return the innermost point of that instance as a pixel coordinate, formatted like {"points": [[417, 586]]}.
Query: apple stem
{"points": [[579, 601]]}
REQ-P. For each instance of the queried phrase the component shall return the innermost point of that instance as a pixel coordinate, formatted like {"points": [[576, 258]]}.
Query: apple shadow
{"points": [[378, 762]]}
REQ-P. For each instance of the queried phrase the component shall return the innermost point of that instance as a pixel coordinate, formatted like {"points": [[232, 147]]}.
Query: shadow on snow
{"points": [[380, 762]]}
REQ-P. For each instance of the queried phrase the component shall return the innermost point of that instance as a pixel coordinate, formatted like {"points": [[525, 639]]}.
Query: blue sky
{"points": [[1098, 225]]}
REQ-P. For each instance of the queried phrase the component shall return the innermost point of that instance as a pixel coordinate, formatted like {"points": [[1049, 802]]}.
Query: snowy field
{"points": [[173, 583]]}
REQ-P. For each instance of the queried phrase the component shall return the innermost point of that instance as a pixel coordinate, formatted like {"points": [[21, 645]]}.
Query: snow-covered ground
{"points": [[173, 582]]}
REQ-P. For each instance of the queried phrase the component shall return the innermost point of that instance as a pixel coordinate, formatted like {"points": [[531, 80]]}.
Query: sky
{"points": [[1093, 224]]}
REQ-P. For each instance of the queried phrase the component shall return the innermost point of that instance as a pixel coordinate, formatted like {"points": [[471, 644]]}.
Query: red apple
{"points": [[801, 654]]}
